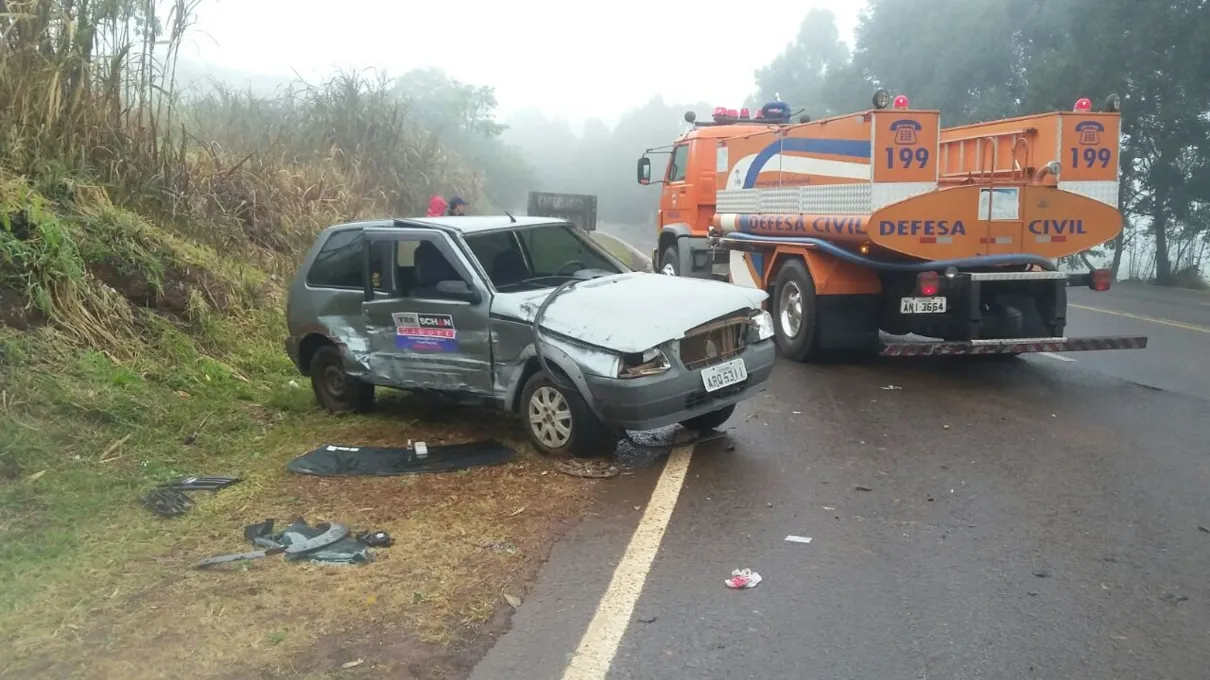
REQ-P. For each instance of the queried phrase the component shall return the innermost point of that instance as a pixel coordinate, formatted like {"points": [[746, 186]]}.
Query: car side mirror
{"points": [[457, 290], [644, 170]]}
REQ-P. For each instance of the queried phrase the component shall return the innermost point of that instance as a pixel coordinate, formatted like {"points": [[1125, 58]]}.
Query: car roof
{"points": [[468, 224]]}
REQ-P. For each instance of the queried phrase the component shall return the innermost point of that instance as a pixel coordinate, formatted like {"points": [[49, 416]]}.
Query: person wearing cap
{"points": [[457, 206]]}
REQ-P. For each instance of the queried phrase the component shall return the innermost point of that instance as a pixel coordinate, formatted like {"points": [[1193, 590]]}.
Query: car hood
{"points": [[630, 312]]}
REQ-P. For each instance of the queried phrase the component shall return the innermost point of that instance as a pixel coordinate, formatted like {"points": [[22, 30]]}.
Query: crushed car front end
{"points": [[715, 365]]}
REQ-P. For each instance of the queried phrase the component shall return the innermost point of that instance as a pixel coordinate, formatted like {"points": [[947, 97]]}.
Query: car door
{"points": [[674, 200], [425, 335]]}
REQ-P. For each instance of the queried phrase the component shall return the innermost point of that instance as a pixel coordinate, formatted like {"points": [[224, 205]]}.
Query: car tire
{"points": [[558, 421], [794, 319], [669, 262], [335, 390], [709, 421]]}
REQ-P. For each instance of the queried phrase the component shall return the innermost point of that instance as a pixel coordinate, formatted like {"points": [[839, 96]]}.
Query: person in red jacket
{"points": [[437, 206]]}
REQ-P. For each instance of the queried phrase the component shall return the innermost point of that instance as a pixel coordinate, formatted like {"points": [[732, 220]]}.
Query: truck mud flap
{"points": [[1010, 346]]}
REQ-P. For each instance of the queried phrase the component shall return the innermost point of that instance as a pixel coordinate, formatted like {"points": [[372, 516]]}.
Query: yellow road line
{"points": [[600, 642], [1166, 322]]}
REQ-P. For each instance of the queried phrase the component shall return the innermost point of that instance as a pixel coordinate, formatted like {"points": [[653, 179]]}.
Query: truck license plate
{"points": [[722, 375], [925, 305]]}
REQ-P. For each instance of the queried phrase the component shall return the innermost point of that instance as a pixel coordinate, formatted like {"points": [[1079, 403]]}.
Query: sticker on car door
{"points": [[425, 332]]}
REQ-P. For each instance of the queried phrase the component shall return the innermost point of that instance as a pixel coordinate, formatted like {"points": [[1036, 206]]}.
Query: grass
{"points": [[144, 242], [91, 584]]}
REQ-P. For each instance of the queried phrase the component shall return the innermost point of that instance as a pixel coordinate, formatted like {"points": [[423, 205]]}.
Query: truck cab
{"points": [[687, 198]]}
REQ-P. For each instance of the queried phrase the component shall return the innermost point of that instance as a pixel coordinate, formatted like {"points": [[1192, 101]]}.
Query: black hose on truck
{"points": [[933, 265]]}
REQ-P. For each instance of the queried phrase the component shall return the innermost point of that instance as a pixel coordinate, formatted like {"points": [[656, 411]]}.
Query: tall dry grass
{"points": [[86, 99]]}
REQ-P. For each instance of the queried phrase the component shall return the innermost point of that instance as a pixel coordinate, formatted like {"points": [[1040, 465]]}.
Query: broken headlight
{"points": [[651, 362], [762, 323]]}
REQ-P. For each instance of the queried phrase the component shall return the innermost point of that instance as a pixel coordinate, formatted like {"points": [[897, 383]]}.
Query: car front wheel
{"points": [[336, 390], [559, 422], [709, 421]]}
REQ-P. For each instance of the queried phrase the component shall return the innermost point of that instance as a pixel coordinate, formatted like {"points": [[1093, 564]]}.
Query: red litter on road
{"points": [[743, 578]]}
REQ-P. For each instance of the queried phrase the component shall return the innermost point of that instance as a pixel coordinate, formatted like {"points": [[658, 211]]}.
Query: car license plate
{"points": [[722, 375], [923, 305]]}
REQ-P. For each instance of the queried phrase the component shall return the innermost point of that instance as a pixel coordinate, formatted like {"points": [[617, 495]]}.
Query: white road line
{"points": [[1057, 357], [1166, 322], [600, 642]]}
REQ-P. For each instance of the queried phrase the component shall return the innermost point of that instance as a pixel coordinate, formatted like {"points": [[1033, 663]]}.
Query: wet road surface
{"points": [[1027, 518]]}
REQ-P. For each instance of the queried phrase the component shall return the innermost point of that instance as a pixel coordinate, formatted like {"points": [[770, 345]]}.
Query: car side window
{"points": [[418, 266], [339, 262], [500, 256], [677, 163]]}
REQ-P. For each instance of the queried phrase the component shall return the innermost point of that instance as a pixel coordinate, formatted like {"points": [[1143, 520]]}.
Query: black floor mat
{"points": [[345, 461]]}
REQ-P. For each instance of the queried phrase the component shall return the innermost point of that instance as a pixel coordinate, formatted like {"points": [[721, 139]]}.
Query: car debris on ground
{"points": [[332, 460], [170, 500], [591, 468], [326, 542]]}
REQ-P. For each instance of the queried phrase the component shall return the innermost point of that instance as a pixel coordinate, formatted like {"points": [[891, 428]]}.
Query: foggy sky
{"points": [[536, 53]]}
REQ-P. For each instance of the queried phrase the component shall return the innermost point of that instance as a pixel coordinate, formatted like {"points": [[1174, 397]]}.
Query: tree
{"points": [[959, 56], [1157, 56], [463, 117], [805, 74]]}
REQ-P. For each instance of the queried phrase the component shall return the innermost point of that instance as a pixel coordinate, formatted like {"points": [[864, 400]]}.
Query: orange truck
{"points": [[880, 232]]}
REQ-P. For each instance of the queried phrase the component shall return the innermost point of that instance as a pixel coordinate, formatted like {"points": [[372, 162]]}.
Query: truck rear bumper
{"points": [[1010, 346]]}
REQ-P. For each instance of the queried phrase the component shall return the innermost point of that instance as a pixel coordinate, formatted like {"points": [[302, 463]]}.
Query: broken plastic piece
{"points": [[591, 468], [297, 547], [342, 461], [167, 502], [376, 539], [742, 579], [222, 559], [320, 543], [200, 483], [798, 539]]}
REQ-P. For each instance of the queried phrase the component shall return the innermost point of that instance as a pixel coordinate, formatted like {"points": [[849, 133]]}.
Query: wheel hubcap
{"points": [[550, 417], [335, 380], [668, 269], [790, 309]]}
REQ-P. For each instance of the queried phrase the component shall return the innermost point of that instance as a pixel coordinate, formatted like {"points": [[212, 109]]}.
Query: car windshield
{"points": [[539, 257]]}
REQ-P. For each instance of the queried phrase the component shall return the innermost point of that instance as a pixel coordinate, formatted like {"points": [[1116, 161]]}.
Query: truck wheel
{"points": [[794, 320], [669, 264], [335, 390], [560, 423], [709, 421]]}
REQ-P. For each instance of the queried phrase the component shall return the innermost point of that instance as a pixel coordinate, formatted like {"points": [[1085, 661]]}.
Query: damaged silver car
{"points": [[525, 314]]}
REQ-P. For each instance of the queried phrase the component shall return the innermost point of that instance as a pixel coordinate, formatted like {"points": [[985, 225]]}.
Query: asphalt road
{"points": [[1029, 518]]}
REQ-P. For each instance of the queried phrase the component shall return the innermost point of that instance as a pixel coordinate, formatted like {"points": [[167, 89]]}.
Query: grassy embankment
{"points": [[143, 249]]}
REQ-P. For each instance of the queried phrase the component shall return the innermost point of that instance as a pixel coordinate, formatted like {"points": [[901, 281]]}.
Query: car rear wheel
{"points": [[335, 390], [559, 422], [709, 421]]}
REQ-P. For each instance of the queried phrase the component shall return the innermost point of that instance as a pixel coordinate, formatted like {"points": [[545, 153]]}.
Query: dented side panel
{"points": [[513, 349], [434, 344]]}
